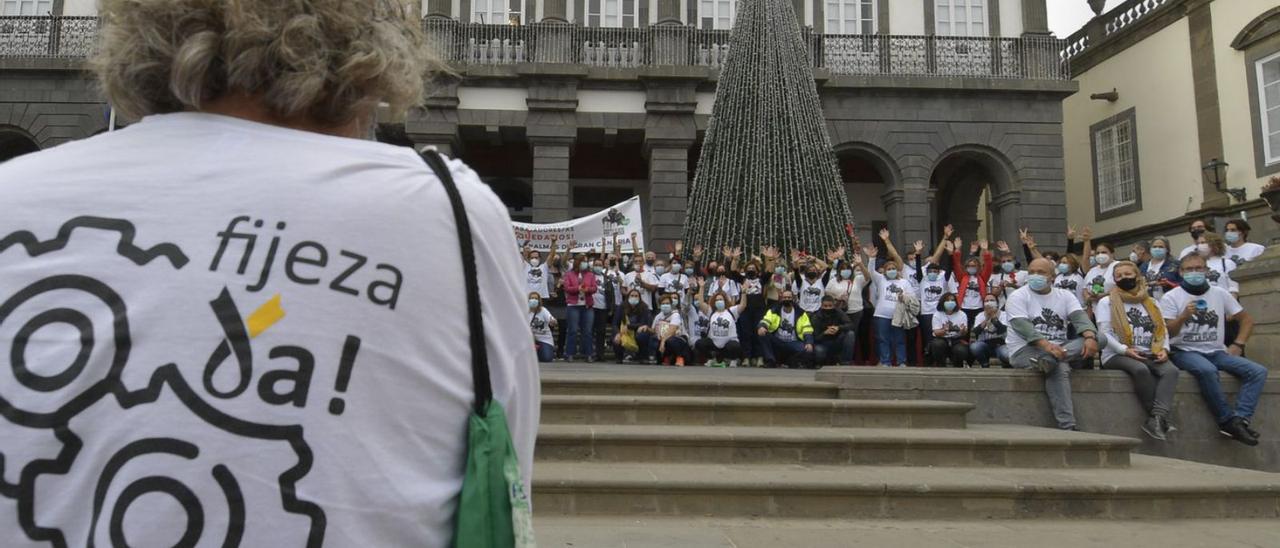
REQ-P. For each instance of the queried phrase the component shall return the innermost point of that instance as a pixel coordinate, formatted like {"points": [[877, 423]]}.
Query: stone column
{"points": [[551, 179], [1035, 17], [435, 123], [551, 127], [670, 130], [1006, 215], [1259, 281]]}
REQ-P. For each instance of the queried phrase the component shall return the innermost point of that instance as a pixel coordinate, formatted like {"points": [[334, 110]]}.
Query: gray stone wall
{"points": [[52, 107]]}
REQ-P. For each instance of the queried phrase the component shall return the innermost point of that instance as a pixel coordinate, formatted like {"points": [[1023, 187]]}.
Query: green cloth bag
{"points": [[493, 509]]}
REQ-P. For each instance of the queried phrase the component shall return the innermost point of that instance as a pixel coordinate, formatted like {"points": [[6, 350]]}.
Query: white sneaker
{"points": [[733, 363]]}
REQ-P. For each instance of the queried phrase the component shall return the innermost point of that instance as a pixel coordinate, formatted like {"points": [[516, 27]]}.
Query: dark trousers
{"points": [[793, 353], [926, 336], [561, 313], [971, 314], [707, 349], [599, 329], [752, 346], [955, 349], [828, 350], [676, 347], [642, 340]]}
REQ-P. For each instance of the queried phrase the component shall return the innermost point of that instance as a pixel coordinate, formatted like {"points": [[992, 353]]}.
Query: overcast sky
{"points": [[1067, 16]]}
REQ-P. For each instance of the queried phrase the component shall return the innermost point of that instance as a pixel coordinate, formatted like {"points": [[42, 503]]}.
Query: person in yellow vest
{"points": [[787, 334]]}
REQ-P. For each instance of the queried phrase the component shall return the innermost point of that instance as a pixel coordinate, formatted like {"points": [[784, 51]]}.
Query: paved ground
{"points": [[559, 532]]}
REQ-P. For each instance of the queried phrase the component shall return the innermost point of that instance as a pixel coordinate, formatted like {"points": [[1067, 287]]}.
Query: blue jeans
{"points": [[890, 341], [1205, 368], [831, 349], [578, 340], [983, 351], [546, 352], [777, 351]]}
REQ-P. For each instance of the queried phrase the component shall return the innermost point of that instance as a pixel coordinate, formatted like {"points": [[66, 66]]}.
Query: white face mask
{"points": [[1203, 249], [1103, 258], [535, 262]]}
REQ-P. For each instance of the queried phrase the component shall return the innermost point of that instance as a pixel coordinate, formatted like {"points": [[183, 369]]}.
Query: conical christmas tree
{"points": [[767, 175]]}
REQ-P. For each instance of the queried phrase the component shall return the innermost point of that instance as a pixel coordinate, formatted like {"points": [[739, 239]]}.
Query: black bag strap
{"points": [[475, 322]]}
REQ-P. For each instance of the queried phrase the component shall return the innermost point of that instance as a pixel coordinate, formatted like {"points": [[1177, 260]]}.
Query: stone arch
{"points": [[1260, 28], [14, 142], [956, 184], [870, 175]]}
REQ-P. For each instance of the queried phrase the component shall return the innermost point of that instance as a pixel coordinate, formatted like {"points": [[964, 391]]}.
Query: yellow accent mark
{"points": [[265, 316]]}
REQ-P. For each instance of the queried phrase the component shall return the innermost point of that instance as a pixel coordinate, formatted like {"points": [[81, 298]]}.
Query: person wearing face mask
{"points": [[670, 341], [721, 280], [1161, 271], [950, 328], [1196, 314], [778, 276], [1213, 248], [787, 334], [990, 329], [753, 290], [721, 342], [1137, 340], [846, 288], [1239, 248], [641, 279], [604, 302], [935, 283], [890, 289], [541, 322], [1039, 317], [674, 280], [810, 289], [635, 318], [1140, 253], [537, 272], [833, 335], [1198, 228], [580, 287], [970, 275], [1007, 276], [1099, 280], [1070, 278]]}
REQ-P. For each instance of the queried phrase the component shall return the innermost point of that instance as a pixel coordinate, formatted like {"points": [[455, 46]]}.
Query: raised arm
{"points": [[888, 245]]}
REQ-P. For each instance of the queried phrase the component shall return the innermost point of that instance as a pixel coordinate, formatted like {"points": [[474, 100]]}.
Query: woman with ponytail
{"points": [[1137, 343]]}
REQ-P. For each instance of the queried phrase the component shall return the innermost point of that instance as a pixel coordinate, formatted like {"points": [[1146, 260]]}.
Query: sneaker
{"points": [[591, 359], [733, 363], [1169, 427], [650, 361], [1235, 430], [1154, 427], [680, 361], [1249, 429]]}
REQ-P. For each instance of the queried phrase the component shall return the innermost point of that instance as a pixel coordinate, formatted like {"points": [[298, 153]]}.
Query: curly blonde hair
{"points": [[327, 60]]}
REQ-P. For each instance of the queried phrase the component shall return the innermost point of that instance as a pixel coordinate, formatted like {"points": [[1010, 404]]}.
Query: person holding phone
{"points": [[1137, 343]]}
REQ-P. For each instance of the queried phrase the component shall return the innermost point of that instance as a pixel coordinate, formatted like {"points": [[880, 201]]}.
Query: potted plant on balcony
{"points": [[1271, 193]]}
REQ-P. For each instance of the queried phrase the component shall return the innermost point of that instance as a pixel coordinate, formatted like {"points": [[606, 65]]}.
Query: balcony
{"points": [[1033, 58]]}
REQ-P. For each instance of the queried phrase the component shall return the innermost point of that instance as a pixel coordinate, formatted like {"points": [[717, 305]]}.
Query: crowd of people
{"points": [[1150, 314]]}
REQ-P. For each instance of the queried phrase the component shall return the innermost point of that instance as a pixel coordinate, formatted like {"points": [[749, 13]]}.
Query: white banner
{"points": [[591, 234]]}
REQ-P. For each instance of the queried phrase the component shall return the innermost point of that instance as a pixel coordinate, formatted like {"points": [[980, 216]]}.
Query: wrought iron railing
{"points": [[482, 44], [1109, 23], [47, 37]]}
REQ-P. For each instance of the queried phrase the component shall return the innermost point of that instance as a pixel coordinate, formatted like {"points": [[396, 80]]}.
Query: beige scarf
{"points": [[1120, 320]]}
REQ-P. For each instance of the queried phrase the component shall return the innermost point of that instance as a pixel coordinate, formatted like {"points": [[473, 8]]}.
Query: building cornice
{"points": [[1106, 41]]}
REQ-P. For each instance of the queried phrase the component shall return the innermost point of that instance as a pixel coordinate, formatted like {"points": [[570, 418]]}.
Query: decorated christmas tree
{"points": [[767, 175]]}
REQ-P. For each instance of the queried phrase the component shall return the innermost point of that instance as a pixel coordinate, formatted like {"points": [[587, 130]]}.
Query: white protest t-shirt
{"points": [[972, 295], [730, 288], [809, 294], [269, 323], [1247, 251], [661, 321], [1219, 274], [954, 323], [632, 281], [1205, 331], [932, 292], [724, 326], [673, 282], [1100, 275], [888, 293], [1072, 283], [1049, 313], [1144, 327], [1011, 280], [988, 334], [540, 324], [849, 291], [787, 324], [538, 279]]}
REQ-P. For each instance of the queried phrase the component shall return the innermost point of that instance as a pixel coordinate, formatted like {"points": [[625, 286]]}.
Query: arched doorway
{"points": [[869, 177], [972, 189], [14, 143]]}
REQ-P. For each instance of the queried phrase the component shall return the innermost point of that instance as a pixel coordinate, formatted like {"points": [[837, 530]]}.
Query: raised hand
{"points": [[947, 231], [795, 255], [884, 234], [1071, 233], [918, 246], [835, 254], [870, 250], [697, 251], [857, 259], [679, 246], [635, 242], [959, 243], [1088, 233], [1002, 246], [948, 246], [1030, 241], [982, 244], [735, 253], [1022, 235]]}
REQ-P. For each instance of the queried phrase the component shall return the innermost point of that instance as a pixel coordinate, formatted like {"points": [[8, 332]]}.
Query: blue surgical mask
{"points": [[933, 276], [675, 268], [634, 301], [533, 304], [665, 308], [584, 266], [1194, 279], [688, 271], [720, 305], [1232, 236], [660, 270], [1159, 252], [892, 274], [1037, 282], [973, 270], [846, 273], [1063, 269], [949, 306], [598, 270], [1007, 266]]}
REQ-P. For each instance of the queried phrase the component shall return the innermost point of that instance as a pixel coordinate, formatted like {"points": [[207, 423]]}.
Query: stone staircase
{"points": [[714, 444]]}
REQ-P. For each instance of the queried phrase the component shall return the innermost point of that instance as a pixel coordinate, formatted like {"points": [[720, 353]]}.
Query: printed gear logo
{"points": [[57, 409]]}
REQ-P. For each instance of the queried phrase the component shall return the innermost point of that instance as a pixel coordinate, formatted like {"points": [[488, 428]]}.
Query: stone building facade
{"points": [[940, 111]]}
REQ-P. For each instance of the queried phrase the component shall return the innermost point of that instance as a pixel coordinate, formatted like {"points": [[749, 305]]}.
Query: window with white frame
{"points": [[27, 7], [1115, 160], [497, 12], [851, 17], [960, 17], [716, 14], [612, 13], [1268, 72]]}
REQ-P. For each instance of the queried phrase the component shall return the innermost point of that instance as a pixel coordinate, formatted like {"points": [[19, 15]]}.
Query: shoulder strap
{"points": [[475, 322]]}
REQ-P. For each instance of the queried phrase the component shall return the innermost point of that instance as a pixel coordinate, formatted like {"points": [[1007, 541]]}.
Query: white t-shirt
{"points": [[1205, 331], [888, 293], [731, 288], [809, 295], [1152, 275], [335, 335], [972, 295], [787, 324], [600, 300], [1219, 274], [955, 323], [1187, 251], [986, 335], [540, 324], [673, 282], [1100, 275], [1247, 251], [1011, 281], [661, 321], [849, 291], [632, 281], [724, 326], [1072, 283], [1050, 314], [538, 279], [931, 292], [1144, 328]]}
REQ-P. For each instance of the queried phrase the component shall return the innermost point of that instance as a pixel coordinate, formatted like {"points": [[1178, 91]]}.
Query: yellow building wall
{"points": [[1155, 76], [1229, 18]]}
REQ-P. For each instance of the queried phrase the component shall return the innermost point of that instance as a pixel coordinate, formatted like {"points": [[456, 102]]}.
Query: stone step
{"points": [[696, 384], [980, 445], [1152, 488], [595, 409]]}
